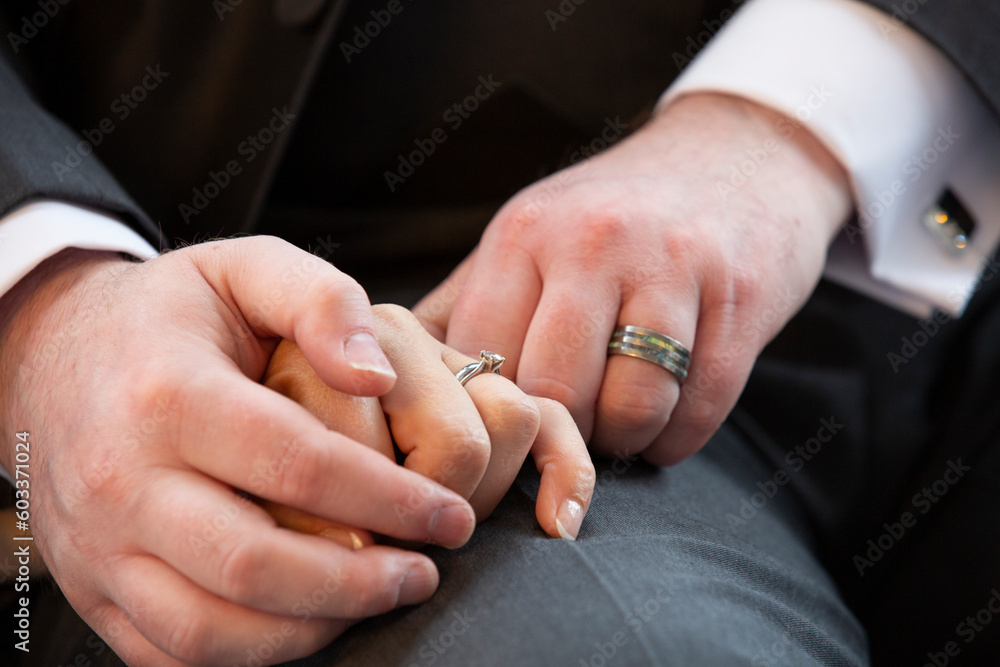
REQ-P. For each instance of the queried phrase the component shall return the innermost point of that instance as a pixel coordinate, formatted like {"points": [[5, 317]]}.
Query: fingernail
{"points": [[364, 354], [419, 583], [569, 519], [452, 526]]}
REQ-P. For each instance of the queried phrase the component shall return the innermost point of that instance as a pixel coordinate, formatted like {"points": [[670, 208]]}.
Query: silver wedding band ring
{"points": [[654, 347], [489, 362]]}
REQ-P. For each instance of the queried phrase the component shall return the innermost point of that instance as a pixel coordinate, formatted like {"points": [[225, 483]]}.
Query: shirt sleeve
{"points": [[38, 230], [903, 121]]}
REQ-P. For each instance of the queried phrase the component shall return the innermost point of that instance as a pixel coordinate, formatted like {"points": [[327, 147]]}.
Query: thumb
{"points": [[282, 291]]}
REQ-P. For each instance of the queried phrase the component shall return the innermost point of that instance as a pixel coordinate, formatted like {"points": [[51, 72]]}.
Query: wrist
{"points": [[773, 157], [36, 324]]}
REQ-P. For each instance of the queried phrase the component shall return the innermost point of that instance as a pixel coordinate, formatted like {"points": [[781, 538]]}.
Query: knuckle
{"points": [[603, 228], [468, 445], [395, 317], [232, 255], [730, 385], [679, 263], [745, 286], [553, 389], [518, 416], [732, 285], [549, 406], [607, 221], [717, 378], [157, 383], [165, 400], [334, 290], [303, 472], [251, 245], [239, 568], [190, 639], [514, 220], [681, 241], [636, 408], [377, 595], [101, 475], [553, 412], [704, 417]]}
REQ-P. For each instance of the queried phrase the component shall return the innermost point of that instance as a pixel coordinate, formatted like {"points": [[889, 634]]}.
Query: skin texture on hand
{"points": [[139, 384], [656, 232], [471, 439]]}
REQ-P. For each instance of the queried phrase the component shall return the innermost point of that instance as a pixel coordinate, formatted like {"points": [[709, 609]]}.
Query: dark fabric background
{"points": [[965, 30]]}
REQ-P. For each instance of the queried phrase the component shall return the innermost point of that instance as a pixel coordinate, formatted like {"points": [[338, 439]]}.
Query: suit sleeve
{"points": [[41, 158], [964, 30]]}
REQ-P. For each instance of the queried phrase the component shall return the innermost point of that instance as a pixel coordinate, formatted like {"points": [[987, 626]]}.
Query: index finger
{"points": [[265, 443]]}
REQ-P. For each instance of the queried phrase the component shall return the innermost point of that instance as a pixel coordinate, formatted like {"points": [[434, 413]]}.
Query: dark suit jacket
{"points": [[173, 93]]}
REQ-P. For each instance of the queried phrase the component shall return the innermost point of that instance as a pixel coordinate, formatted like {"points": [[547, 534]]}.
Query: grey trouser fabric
{"points": [[666, 571]]}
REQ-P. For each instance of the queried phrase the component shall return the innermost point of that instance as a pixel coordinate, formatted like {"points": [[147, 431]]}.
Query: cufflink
{"points": [[950, 223]]}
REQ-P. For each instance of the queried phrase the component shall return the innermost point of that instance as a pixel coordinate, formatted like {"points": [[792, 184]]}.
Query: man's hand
{"points": [[657, 232], [139, 386], [472, 439]]}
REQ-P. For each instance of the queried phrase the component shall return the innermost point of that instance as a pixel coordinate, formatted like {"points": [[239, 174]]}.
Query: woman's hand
{"points": [[471, 439]]}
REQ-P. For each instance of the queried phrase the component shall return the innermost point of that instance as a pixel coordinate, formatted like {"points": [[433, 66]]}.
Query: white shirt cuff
{"points": [[898, 115], [38, 230]]}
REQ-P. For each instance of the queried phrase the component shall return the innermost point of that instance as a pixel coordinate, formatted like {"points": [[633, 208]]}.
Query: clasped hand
{"points": [[140, 386], [471, 439]]}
